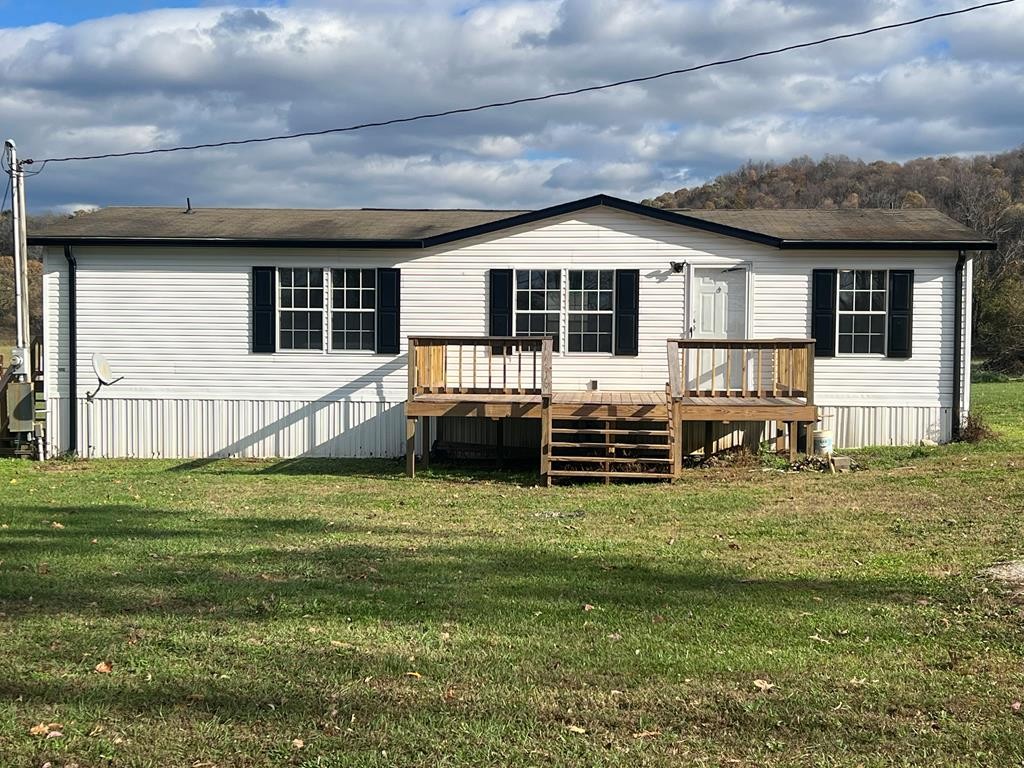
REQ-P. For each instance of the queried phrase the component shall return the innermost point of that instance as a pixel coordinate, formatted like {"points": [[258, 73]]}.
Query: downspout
{"points": [[72, 351], [958, 335]]}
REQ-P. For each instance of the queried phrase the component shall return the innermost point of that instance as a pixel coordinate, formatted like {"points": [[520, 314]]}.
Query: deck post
{"points": [[410, 446], [676, 439], [809, 387], [425, 441], [545, 441], [546, 352], [793, 430], [500, 443]]}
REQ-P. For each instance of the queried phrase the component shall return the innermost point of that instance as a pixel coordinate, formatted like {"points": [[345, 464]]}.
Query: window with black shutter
{"points": [[325, 309], [862, 312]]}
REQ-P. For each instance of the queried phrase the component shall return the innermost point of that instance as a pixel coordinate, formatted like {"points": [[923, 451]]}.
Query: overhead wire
{"points": [[512, 102]]}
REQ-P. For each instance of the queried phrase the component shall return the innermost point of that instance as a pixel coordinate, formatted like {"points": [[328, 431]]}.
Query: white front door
{"points": [[719, 302], [718, 306]]}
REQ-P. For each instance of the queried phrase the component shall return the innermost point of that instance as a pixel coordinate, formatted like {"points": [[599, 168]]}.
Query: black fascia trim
{"points": [[214, 242], [887, 245]]}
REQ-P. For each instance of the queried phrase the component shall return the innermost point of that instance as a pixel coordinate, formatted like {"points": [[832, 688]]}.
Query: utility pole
{"points": [[20, 356], [22, 433]]}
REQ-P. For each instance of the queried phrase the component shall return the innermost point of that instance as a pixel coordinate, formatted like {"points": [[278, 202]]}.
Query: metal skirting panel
{"points": [[187, 428], [857, 426], [861, 426]]}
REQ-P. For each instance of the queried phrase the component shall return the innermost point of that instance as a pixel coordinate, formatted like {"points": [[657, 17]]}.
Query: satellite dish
{"points": [[101, 367]]}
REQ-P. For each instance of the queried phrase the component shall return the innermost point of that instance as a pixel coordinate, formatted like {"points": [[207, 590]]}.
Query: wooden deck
{"points": [[598, 433], [578, 405]]}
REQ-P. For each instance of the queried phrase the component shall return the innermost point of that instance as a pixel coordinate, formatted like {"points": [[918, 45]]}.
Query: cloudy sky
{"points": [[114, 75]]}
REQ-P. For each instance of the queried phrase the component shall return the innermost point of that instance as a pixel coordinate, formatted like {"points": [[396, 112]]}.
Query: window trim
{"points": [[329, 301], [561, 303], [327, 346], [569, 311], [281, 308], [884, 313], [563, 306]]}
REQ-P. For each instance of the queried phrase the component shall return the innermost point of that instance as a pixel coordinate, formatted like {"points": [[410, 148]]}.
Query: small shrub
{"points": [[975, 430]]}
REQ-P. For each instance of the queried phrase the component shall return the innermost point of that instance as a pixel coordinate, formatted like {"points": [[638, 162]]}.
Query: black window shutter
{"points": [[500, 303], [823, 312], [263, 300], [389, 311], [901, 313], [627, 312]]}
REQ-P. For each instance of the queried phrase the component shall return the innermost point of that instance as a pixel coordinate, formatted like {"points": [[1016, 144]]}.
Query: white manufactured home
{"points": [[284, 333]]}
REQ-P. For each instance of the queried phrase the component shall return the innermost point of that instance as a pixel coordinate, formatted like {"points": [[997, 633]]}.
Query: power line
{"points": [[523, 100]]}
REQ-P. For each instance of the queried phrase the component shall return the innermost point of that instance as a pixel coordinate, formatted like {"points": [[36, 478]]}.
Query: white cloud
{"points": [[199, 75]]}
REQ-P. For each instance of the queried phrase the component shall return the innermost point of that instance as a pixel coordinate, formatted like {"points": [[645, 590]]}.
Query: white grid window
{"points": [[538, 302], [353, 304], [862, 307], [591, 306], [301, 314]]}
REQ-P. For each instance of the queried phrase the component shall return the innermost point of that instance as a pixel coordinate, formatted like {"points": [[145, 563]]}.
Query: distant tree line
{"points": [[35, 280], [985, 192]]}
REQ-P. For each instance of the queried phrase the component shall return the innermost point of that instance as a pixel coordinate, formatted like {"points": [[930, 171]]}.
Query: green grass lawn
{"points": [[329, 613]]}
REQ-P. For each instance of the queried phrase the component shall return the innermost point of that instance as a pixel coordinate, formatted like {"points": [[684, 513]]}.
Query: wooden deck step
{"points": [[608, 419], [638, 446], [596, 473], [641, 432], [612, 460]]}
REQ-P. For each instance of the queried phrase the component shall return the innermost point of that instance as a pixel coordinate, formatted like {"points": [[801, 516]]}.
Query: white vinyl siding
{"points": [[175, 322]]}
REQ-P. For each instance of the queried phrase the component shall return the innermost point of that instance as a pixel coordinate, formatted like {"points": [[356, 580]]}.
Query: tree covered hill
{"points": [[985, 192]]}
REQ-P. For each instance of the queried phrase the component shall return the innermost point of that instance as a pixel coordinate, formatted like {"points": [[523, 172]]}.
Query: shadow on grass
{"points": [[254, 568], [512, 472]]}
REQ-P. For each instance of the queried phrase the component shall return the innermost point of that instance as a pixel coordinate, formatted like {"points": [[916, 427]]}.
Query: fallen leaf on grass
{"points": [[44, 728], [575, 729], [58, 526], [1015, 707], [298, 743], [104, 667], [819, 639], [646, 734], [763, 685], [413, 674], [55, 735], [588, 607]]}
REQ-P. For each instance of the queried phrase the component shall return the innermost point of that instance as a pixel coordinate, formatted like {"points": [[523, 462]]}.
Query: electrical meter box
{"points": [[19, 407]]}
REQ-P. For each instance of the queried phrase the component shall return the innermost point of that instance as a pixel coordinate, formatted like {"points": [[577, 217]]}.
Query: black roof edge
{"points": [[889, 245], [213, 242], [672, 217]]}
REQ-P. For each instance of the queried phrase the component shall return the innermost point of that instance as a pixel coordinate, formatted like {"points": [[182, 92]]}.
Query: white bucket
{"points": [[823, 442]]}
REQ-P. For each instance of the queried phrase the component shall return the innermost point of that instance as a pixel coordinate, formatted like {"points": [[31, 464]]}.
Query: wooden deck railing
{"points": [[741, 368], [480, 365]]}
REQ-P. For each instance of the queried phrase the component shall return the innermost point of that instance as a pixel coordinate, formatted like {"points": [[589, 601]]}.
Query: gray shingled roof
{"points": [[277, 223], [384, 228], [845, 224]]}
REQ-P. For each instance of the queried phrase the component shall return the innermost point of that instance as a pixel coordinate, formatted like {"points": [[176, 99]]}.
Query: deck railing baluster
{"points": [[760, 373], [792, 365], [728, 372]]}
